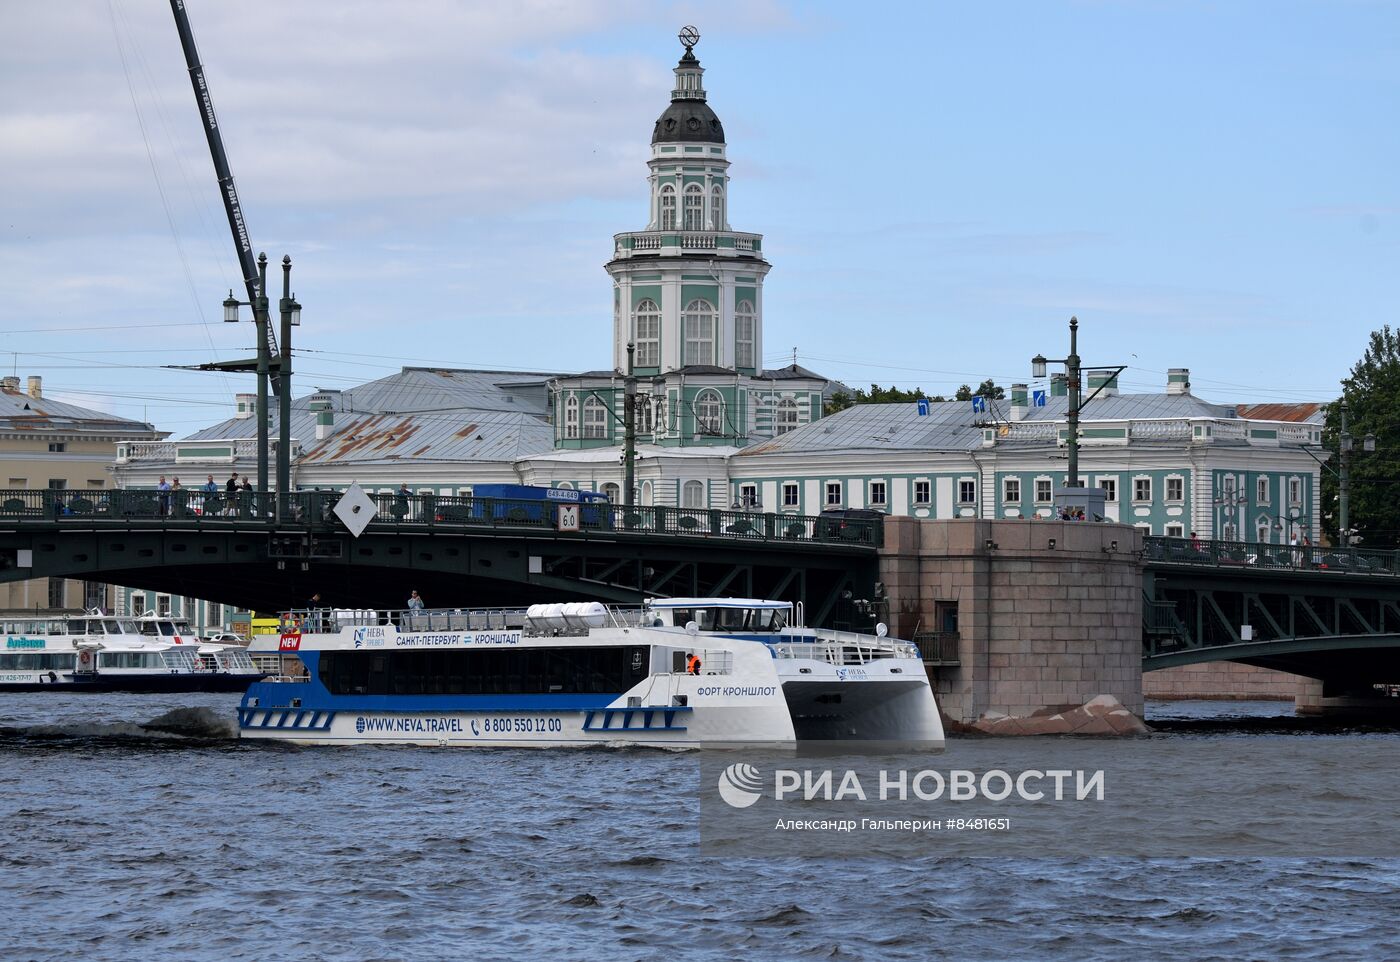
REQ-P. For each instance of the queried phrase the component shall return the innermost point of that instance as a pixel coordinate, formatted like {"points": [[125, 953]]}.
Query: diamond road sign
{"points": [[356, 510]]}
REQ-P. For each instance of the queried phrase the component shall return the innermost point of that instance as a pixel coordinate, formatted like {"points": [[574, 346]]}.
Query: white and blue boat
{"points": [[96, 652], [676, 673]]}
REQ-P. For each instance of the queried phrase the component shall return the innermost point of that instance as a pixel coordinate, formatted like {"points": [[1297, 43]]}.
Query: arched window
{"points": [[698, 322], [709, 413], [717, 209], [695, 207], [1262, 534], [659, 410], [571, 417], [644, 411], [612, 492], [693, 494], [595, 418], [667, 216], [743, 334], [646, 493], [566, 485], [787, 415], [647, 321]]}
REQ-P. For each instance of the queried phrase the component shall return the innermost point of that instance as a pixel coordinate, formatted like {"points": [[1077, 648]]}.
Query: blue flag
{"points": [[979, 404], [1038, 398]]}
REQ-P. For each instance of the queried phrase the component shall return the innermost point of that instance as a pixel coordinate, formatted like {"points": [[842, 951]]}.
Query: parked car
{"points": [[850, 524], [1339, 561]]}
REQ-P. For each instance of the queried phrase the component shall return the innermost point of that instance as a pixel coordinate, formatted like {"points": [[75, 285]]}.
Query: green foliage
{"points": [[893, 395], [876, 395], [1372, 398]]}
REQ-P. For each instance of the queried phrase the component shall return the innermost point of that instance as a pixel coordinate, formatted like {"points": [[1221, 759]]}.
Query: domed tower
{"points": [[688, 290], [688, 295]]}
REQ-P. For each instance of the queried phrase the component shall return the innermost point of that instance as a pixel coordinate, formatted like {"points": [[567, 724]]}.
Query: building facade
{"points": [[49, 445]]}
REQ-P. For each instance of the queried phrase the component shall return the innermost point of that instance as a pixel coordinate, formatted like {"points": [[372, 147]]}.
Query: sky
{"points": [[940, 186]]}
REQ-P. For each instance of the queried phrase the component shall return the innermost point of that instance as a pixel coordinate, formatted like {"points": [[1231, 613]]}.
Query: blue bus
{"points": [[534, 503]]}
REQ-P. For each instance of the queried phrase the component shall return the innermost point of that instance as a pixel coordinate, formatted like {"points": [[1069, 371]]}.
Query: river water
{"points": [[122, 842]]}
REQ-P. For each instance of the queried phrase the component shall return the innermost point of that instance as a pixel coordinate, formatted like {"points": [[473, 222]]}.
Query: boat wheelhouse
{"points": [[676, 673]]}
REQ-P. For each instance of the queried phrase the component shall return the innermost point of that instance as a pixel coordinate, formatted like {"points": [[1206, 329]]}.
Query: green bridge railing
{"points": [[315, 509], [1281, 557]]}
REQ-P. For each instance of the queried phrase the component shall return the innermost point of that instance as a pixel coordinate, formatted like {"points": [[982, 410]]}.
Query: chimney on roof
{"points": [[1018, 402], [1178, 380], [1059, 385], [9, 383], [245, 406], [324, 404], [36, 387], [1108, 380]]}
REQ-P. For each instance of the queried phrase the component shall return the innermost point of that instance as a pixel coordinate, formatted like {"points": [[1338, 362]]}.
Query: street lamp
{"points": [[1073, 366], [1345, 445], [289, 311]]}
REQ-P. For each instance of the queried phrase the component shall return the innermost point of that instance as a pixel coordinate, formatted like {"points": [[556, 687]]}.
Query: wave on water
{"points": [[175, 728]]}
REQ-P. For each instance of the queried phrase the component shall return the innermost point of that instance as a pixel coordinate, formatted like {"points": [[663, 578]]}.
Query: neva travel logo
{"points": [[360, 725], [740, 785]]}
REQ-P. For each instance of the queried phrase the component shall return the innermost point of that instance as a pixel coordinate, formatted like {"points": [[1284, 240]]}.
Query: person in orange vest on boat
{"points": [[692, 664]]}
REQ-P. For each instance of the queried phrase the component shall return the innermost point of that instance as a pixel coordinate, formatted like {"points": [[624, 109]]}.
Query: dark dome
{"points": [[689, 121]]}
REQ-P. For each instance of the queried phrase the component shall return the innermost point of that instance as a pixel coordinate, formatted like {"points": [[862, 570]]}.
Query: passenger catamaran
{"points": [[677, 673], [98, 652]]}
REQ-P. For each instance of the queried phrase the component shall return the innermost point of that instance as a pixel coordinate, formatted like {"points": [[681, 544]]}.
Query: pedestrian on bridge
{"points": [[230, 493], [163, 486]]}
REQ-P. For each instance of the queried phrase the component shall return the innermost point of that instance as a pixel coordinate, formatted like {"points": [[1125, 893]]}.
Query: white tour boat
{"points": [[677, 673], [97, 652]]}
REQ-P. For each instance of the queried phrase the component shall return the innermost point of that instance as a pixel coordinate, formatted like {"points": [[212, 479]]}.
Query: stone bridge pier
{"points": [[1014, 616]]}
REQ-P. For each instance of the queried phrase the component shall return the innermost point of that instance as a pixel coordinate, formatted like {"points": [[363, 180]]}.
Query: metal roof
{"points": [[20, 413], [1310, 412], [954, 426], [432, 414]]}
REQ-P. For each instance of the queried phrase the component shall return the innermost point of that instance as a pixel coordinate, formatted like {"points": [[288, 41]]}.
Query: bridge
{"points": [[253, 551], [1323, 612]]}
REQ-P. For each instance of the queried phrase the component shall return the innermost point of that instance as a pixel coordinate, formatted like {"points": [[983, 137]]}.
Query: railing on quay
{"points": [[1282, 557], [316, 510]]}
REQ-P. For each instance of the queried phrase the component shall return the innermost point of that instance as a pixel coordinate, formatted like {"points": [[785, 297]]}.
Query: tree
{"points": [[987, 388], [876, 395], [1372, 398]]}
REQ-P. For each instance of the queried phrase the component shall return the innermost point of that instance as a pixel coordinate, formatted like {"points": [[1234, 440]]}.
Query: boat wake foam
{"points": [[173, 729]]}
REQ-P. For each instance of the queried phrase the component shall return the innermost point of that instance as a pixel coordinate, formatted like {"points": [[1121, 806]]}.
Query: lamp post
{"points": [[290, 312], [1345, 445], [629, 429], [290, 316], [1073, 366], [264, 360]]}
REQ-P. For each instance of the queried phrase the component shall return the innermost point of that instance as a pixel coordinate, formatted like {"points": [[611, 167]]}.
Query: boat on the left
{"points": [[96, 652]]}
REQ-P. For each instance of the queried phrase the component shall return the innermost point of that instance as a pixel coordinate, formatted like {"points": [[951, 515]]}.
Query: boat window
{"points": [[94, 627], [37, 660], [522, 671], [111, 626], [130, 659], [130, 627], [167, 628], [183, 628], [58, 628], [734, 619], [149, 628]]}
